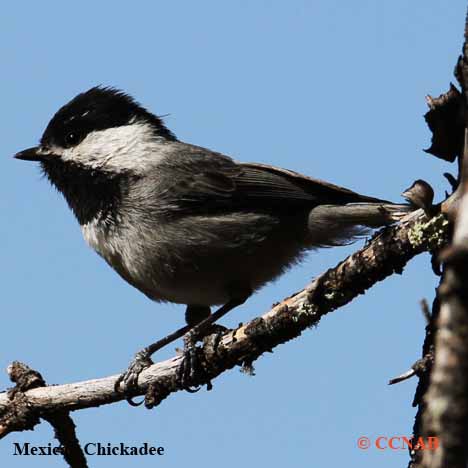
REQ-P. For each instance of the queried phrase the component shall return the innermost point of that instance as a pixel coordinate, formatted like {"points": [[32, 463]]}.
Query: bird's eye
{"points": [[72, 138]]}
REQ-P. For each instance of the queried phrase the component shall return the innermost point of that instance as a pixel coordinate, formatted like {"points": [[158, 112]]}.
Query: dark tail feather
{"points": [[331, 225]]}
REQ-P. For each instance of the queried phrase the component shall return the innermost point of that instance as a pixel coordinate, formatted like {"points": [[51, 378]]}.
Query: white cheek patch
{"points": [[117, 149]]}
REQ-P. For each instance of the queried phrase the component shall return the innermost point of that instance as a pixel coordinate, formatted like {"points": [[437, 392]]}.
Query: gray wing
{"points": [[208, 182], [260, 180]]}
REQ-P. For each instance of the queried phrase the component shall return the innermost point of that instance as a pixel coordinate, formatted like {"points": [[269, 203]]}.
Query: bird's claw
{"points": [[190, 367], [127, 382]]}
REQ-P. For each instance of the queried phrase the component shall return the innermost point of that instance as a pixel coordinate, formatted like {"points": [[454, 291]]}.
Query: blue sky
{"points": [[330, 88]]}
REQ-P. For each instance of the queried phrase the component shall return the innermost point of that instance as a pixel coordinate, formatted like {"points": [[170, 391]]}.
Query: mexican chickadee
{"points": [[185, 224]]}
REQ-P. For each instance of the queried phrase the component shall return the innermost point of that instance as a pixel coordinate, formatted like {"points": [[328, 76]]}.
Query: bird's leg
{"points": [[189, 368], [195, 314], [142, 359]]}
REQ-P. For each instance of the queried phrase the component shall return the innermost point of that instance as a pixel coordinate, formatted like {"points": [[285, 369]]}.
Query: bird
{"points": [[182, 223]]}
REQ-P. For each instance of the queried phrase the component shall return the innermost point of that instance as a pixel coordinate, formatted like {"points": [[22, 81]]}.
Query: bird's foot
{"points": [[191, 371], [190, 368], [217, 330], [127, 382]]}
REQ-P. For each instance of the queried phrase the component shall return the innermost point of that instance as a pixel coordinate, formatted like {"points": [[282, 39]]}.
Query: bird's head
{"points": [[100, 129]]}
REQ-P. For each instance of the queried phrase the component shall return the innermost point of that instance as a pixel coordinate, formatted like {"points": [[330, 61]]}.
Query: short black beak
{"points": [[30, 154]]}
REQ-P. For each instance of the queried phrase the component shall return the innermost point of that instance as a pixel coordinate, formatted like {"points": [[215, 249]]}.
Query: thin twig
{"points": [[65, 433]]}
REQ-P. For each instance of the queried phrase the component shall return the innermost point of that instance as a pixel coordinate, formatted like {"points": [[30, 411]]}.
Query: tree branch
{"points": [[446, 415], [386, 253], [446, 412], [21, 416]]}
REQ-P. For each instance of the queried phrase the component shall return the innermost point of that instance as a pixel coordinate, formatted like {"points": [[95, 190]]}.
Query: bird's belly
{"points": [[153, 273], [214, 279], [187, 275]]}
